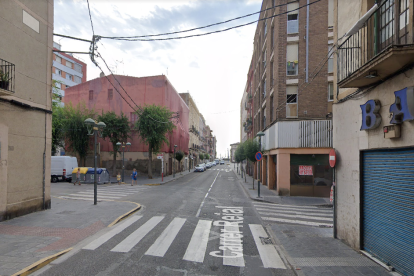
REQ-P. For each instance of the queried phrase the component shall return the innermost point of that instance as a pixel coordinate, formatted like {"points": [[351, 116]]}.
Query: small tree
{"points": [[201, 156], [117, 130], [207, 156], [153, 125], [179, 155], [57, 123], [251, 147], [239, 154], [75, 130]]}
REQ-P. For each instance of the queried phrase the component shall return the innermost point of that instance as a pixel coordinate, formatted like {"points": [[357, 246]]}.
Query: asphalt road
{"points": [[200, 224]]}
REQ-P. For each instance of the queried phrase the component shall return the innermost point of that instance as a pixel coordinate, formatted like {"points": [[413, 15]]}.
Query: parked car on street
{"points": [[61, 168], [199, 168], [203, 165], [209, 165], [221, 162]]}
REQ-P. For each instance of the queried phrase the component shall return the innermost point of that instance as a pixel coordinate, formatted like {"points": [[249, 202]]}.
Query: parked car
{"points": [[61, 168], [209, 165], [199, 168], [221, 162], [203, 165]]}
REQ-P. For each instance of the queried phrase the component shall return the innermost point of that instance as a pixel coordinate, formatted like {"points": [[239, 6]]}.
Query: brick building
{"points": [[291, 95], [98, 94]]}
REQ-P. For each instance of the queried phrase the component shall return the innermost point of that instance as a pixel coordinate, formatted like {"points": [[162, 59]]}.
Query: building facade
{"points": [[233, 148], [100, 95], [67, 71], [373, 134], [291, 93], [26, 29]]}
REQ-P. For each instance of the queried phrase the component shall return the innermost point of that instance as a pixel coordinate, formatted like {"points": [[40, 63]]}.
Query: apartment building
{"points": [[67, 71], [26, 44], [373, 135], [100, 95], [291, 95]]}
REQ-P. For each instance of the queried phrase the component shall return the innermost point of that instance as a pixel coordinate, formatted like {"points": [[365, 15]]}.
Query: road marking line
{"points": [[161, 245], [133, 239], [103, 193], [297, 209], [267, 252], [77, 198], [198, 244], [118, 229], [298, 222], [326, 215], [285, 205], [296, 216], [99, 196], [202, 203], [229, 258]]}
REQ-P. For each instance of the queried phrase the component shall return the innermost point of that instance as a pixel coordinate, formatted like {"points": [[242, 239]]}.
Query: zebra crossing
{"points": [[224, 170], [293, 214], [105, 193], [196, 250]]}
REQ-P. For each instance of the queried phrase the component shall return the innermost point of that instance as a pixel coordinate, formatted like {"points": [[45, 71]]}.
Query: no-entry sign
{"points": [[332, 158], [258, 156]]}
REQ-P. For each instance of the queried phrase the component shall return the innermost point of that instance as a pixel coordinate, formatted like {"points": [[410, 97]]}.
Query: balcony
{"points": [[7, 77], [378, 50], [250, 98], [299, 134]]}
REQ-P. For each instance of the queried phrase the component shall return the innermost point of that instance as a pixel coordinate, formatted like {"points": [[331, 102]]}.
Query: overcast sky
{"points": [[212, 68]]}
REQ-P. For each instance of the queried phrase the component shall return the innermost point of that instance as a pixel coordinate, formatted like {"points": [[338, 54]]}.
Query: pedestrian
{"points": [[134, 177], [118, 178], [77, 177]]}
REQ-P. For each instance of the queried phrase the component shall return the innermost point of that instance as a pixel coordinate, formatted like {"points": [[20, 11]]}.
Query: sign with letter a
{"points": [[403, 107]]}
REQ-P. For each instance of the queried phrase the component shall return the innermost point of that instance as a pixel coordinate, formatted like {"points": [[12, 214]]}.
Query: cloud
{"points": [[194, 64]]}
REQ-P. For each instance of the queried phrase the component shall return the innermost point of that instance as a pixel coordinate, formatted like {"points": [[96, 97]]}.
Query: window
{"points": [[69, 77], [386, 21], [58, 85], [271, 109], [58, 72], [58, 59], [110, 94], [330, 60], [78, 68], [133, 117], [330, 13], [292, 59], [264, 117], [404, 20], [272, 37], [264, 59], [330, 91], [271, 75], [264, 89], [292, 101], [265, 27], [90, 95], [69, 64], [77, 79], [292, 18]]}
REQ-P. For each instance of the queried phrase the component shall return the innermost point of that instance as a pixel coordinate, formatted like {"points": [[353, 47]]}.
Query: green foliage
{"points": [[250, 148], [75, 131], [201, 156], [117, 128], [240, 154], [153, 124], [207, 156], [57, 116], [179, 155]]}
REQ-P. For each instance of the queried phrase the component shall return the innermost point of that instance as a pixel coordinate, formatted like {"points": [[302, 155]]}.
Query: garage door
{"points": [[388, 207]]}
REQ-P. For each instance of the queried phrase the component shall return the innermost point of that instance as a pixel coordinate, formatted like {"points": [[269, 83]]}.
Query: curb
{"points": [[127, 214], [39, 264]]}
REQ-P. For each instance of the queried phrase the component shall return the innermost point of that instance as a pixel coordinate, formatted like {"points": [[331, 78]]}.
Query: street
{"points": [[201, 224]]}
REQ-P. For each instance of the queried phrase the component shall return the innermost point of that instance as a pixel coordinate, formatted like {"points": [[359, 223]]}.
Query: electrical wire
{"points": [[90, 17], [208, 33], [207, 26]]}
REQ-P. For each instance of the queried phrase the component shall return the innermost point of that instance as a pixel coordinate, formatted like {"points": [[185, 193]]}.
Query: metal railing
{"points": [[377, 35], [7, 75]]}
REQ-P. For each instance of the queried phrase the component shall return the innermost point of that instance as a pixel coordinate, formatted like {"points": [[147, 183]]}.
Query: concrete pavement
{"points": [[311, 251]]}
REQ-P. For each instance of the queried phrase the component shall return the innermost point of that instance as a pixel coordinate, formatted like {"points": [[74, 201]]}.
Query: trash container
{"points": [[101, 173], [83, 171]]}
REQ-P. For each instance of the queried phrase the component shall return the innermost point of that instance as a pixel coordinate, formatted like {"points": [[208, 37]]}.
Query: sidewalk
{"points": [[312, 251], [37, 236], [157, 180]]}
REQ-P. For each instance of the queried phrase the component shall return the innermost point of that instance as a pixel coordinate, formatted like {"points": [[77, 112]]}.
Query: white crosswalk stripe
{"points": [[196, 250], [294, 214], [105, 192]]}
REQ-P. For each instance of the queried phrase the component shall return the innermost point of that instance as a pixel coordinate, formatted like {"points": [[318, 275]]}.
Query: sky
{"points": [[212, 68]]}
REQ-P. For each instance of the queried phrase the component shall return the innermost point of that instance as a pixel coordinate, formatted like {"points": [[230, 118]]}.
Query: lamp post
{"points": [[93, 128], [128, 146], [174, 161], [260, 134]]}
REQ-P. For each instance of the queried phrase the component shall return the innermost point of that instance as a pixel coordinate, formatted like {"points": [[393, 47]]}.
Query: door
{"points": [[387, 204]]}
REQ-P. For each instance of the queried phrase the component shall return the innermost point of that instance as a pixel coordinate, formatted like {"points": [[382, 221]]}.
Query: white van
{"points": [[62, 167]]}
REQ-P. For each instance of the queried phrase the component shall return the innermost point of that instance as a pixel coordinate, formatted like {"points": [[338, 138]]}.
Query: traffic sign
{"points": [[258, 156], [160, 156], [332, 158]]}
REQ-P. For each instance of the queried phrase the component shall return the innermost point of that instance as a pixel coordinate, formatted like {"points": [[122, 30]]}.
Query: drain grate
{"points": [[266, 240]]}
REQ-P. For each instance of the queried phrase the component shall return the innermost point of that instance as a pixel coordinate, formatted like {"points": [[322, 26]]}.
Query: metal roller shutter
{"points": [[388, 207]]}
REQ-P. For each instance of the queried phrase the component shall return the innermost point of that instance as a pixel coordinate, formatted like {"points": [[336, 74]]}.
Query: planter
{"points": [[4, 85]]}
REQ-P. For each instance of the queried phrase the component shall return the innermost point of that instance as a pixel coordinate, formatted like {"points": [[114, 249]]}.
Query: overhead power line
{"points": [[133, 38]]}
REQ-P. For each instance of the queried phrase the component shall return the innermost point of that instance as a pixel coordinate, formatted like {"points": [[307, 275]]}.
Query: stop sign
{"points": [[332, 158]]}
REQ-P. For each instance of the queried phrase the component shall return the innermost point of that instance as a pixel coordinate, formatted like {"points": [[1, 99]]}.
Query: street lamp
{"points": [[93, 129], [174, 161], [123, 145], [260, 134]]}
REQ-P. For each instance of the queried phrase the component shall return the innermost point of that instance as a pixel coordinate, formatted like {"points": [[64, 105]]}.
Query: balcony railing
{"points": [[361, 54], [7, 77], [299, 134]]}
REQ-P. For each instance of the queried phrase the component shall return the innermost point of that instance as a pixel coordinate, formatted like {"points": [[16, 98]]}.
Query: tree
{"points": [[201, 156], [75, 130], [57, 124], [179, 155], [117, 130], [207, 156], [251, 147], [153, 125]]}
